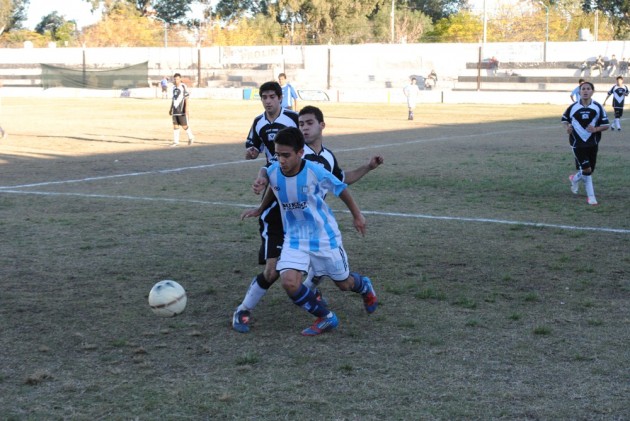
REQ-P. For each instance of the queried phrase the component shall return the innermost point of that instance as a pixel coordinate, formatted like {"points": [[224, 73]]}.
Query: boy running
{"points": [[312, 237], [619, 93]]}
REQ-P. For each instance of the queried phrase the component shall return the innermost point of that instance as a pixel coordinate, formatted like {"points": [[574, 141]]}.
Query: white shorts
{"points": [[331, 263]]}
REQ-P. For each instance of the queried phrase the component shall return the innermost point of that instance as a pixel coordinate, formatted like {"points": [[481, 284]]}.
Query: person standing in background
{"points": [[411, 91], [179, 110], [289, 94]]}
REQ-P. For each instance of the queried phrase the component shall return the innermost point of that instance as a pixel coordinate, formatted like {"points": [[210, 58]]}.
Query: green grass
{"points": [[481, 316]]}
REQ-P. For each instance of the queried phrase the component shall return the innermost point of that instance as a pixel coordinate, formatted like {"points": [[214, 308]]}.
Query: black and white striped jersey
{"points": [[580, 117], [619, 94], [263, 132], [325, 158]]}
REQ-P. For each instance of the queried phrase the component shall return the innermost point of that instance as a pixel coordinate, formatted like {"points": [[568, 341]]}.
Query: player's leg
{"points": [[292, 265], [589, 156], [337, 268], [271, 236], [312, 282], [618, 115], [183, 120], [175, 131], [3, 134], [577, 177]]}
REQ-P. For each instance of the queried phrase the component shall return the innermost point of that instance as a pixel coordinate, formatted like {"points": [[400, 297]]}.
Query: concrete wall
{"points": [[357, 73]]}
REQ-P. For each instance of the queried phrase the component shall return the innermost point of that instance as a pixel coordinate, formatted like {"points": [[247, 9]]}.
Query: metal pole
{"points": [[391, 24], [546, 30], [165, 34]]}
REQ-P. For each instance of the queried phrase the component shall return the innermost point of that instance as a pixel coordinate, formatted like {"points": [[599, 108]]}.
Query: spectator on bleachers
{"points": [[612, 66], [623, 67], [599, 65], [431, 78], [494, 65]]}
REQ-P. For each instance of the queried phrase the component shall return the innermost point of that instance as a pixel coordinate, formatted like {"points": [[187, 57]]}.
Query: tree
{"points": [[12, 14], [437, 9], [460, 27], [618, 11]]}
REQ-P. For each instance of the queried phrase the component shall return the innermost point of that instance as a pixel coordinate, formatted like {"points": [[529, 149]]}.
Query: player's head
{"points": [[311, 120], [581, 81], [289, 144], [272, 85], [619, 80], [271, 97], [291, 137], [586, 90], [282, 77], [413, 80], [177, 78]]}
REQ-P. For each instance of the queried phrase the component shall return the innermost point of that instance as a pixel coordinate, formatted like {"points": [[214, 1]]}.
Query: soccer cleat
{"points": [[321, 325], [574, 184], [369, 298], [591, 201], [191, 140], [174, 144], [240, 321]]}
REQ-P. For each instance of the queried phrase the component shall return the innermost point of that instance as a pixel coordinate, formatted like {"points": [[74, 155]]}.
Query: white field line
{"points": [[12, 190], [242, 161], [390, 214]]}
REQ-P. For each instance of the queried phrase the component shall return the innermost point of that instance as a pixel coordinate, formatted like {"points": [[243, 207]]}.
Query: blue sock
{"points": [[306, 299], [359, 286]]}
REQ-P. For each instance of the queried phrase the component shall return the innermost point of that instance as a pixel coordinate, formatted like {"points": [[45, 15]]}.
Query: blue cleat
{"points": [[370, 302], [240, 321], [321, 325]]}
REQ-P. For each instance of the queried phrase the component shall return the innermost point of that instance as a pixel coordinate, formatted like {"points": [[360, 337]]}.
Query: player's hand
{"points": [[251, 213], [170, 112], [359, 224], [259, 185], [591, 128], [375, 162], [251, 153]]}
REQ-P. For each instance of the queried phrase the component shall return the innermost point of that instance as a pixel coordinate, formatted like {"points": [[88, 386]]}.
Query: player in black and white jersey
{"points": [[311, 122], [261, 140], [619, 93], [179, 110], [584, 121]]}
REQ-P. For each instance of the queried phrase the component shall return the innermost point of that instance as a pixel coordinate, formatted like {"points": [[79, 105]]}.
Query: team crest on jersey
{"points": [[305, 189], [585, 115]]}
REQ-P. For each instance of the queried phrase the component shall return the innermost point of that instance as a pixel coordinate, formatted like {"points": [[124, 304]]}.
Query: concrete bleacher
{"points": [[530, 76]]}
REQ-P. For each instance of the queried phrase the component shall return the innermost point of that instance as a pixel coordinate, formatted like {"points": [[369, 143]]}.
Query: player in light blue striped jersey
{"points": [[312, 237]]}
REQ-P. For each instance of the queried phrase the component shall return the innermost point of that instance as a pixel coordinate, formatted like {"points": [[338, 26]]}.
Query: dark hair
{"points": [[271, 86], [581, 81], [176, 74], [282, 75], [309, 109], [290, 136], [619, 77], [589, 83]]}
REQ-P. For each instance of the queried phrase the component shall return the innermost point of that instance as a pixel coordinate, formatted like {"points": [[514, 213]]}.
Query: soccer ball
{"points": [[167, 298]]}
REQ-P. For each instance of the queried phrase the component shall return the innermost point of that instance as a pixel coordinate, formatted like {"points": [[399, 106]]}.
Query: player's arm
{"points": [[261, 181], [252, 144], [357, 216], [256, 212], [607, 96], [356, 174]]}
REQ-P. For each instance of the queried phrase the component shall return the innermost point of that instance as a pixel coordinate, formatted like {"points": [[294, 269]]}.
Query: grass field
{"points": [[503, 295]]}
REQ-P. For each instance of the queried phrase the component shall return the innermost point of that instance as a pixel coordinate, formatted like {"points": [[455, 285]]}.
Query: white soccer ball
{"points": [[167, 298]]}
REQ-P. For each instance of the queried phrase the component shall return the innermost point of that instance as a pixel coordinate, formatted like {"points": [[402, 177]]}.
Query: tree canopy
{"points": [[247, 22]]}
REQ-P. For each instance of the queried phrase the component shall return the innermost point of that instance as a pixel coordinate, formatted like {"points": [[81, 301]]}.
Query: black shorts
{"points": [[271, 233], [585, 157], [180, 120], [618, 112]]}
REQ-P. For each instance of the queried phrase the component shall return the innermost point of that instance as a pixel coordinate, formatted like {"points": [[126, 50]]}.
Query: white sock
{"points": [[578, 176], [588, 185], [189, 133], [176, 136], [253, 296]]}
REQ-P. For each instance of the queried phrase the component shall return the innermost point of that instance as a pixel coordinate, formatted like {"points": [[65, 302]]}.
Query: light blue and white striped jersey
{"points": [[309, 223]]}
